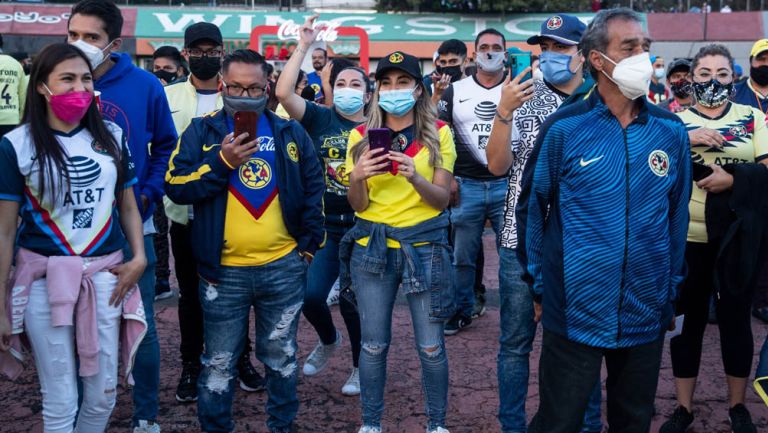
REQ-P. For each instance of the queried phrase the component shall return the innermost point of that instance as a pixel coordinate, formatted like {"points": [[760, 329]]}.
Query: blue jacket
{"points": [[135, 100], [197, 176], [602, 220]]}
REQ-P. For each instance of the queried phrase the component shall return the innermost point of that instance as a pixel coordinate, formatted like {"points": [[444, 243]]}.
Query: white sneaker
{"points": [[147, 427], [352, 387], [319, 357], [369, 429], [438, 430], [333, 295]]}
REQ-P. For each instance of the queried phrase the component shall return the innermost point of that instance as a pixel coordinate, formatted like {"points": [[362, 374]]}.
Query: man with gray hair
{"points": [[602, 221]]}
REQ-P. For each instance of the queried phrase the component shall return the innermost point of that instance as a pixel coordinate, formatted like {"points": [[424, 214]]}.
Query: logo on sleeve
{"points": [[659, 163], [293, 151]]}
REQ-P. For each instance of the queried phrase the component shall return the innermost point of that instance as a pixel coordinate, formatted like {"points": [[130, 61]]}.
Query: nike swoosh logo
{"points": [[206, 148], [586, 163], [461, 101]]}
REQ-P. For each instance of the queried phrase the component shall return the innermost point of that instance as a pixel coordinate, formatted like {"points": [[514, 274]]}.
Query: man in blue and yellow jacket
{"points": [[258, 221]]}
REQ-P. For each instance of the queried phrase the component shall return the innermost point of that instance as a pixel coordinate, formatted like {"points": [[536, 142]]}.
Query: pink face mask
{"points": [[70, 107]]}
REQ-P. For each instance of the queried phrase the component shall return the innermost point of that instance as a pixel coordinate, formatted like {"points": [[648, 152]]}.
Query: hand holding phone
{"points": [[246, 121], [381, 138], [518, 61]]}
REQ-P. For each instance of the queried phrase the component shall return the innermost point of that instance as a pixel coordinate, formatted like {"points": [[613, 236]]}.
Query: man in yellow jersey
{"points": [[13, 91], [258, 221]]}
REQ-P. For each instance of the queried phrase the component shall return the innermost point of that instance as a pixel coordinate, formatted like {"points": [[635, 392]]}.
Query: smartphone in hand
{"points": [[518, 61], [245, 121], [381, 138]]}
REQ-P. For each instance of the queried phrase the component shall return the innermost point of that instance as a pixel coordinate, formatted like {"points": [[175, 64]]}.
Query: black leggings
{"points": [[733, 318]]}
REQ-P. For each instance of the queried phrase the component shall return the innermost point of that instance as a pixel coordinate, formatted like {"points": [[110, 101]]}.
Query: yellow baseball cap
{"points": [[759, 47]]}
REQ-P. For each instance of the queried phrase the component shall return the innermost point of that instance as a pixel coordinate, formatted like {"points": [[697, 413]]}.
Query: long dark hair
{"points": [[49, 152]]}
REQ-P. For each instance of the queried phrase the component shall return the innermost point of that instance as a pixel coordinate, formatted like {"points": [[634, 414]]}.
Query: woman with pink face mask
{"points": [[64, 172]]}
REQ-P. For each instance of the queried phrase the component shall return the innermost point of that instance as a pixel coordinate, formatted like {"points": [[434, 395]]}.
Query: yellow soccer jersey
{"points": [[746, 140], [392, 199]]}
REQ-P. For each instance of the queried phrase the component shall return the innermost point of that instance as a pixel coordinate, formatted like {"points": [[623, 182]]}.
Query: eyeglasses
{"points": [[197, 52], [252, 91], [720, 76]]}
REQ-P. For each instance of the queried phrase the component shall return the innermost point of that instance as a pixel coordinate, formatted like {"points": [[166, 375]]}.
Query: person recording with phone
{"points": [[329, 128], [258, 204], [401, 162], [723, 163], [522, 109]]}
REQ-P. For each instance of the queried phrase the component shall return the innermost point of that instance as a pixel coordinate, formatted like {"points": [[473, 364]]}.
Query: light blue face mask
{"points": [[397, 102], [556, 67], [347, 100]]}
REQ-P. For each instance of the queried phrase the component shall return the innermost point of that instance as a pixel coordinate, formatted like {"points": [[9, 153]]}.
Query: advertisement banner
{"points": [[170, 23], [16, 19]]}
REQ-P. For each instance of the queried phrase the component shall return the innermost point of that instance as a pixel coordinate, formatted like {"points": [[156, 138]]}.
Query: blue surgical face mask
{"points": [[397, 102], [556, 67], [347, 100]]}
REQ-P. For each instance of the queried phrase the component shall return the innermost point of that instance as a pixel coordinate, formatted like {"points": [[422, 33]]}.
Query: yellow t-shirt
{"points": [[251, 241], [744, 130], [392, 200]]}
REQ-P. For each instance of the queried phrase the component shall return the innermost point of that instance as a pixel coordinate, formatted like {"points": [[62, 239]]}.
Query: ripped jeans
{"points": [[376, 295], [54, 352], [276, 292]]}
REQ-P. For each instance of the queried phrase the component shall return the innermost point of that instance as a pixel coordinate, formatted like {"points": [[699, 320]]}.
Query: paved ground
{"points": [[473, 392]]}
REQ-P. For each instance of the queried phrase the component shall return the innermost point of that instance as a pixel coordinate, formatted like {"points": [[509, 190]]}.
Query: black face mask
{"points": [[759, 75], [712, 93], [453, 71], [204, 68], [166, 76], [681, 89]]}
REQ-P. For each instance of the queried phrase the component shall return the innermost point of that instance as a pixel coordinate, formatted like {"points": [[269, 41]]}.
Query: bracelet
{"points": [[224, 160], [502, 119]]}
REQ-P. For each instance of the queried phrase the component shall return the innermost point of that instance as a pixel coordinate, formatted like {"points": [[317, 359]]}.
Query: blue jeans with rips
{"points": [[479, 200], [376, 293], [516, 342], [146, 367], [276, 292]]}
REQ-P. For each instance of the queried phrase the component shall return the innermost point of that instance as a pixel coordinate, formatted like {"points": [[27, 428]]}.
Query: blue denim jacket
{"points": [[433, 231]]}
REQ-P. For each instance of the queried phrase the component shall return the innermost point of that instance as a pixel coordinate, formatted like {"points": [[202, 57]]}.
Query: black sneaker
{"points": [[186, 392], [741, 421], [479, 308], [456, 324], [679, 422], [163, 290], [250, 379]]}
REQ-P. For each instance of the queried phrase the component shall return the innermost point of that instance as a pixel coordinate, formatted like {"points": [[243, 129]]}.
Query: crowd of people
{"points": [[625, 196]]}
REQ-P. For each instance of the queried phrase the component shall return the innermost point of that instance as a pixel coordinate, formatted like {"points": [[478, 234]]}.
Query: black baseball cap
{"points": [[679, 65], [400, 61], [202, 32]]}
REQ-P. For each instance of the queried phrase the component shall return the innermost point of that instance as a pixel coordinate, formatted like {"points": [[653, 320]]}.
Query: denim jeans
{"points": [[567, 375], [516, 342], [376, 295], [479, 200], [276, 292], [320, 278], [762, 365], [146, 367]]}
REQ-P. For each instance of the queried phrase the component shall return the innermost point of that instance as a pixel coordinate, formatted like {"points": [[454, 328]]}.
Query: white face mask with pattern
{"points": [[490, 61]]}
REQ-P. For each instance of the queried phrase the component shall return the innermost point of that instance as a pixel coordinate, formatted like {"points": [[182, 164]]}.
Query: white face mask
{"points": [[95, 55], [632, 75], [490, 61]]}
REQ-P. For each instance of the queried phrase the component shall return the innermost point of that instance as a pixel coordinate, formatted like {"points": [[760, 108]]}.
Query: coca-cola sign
{"points": [[290, 30]]}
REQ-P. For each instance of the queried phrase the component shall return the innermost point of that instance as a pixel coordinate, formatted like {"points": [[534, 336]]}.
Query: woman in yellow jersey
{"points": [[724, 135], [400, 238]]}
